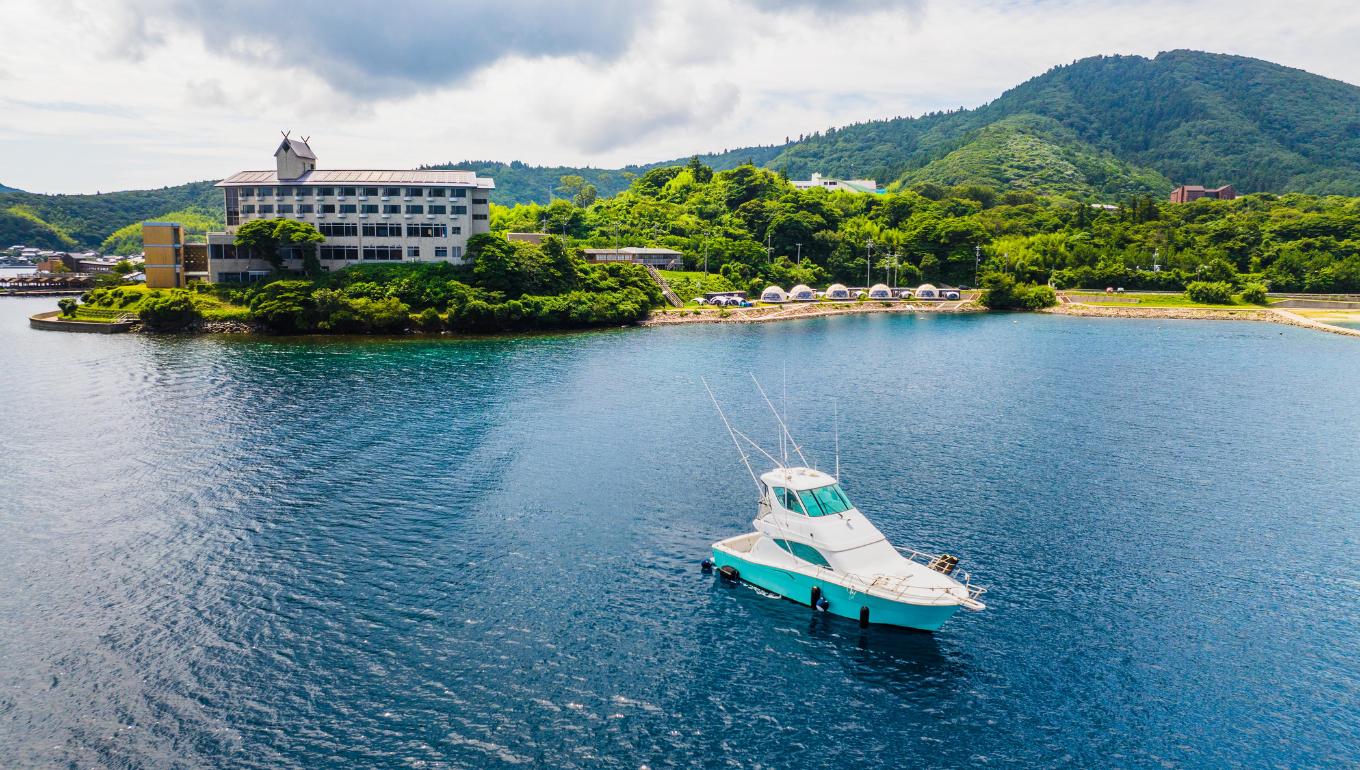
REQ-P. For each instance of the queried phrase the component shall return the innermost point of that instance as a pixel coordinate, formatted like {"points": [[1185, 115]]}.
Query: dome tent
{"points": [[773, 294], [837, 291], [802, 293], [927, 291], [880, 291]]}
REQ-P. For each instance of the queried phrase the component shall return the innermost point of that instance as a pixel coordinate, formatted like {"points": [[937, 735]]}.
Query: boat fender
{"points": [[816, 596], [863, 617], [706, 566], [823, 604], [729, 572]]}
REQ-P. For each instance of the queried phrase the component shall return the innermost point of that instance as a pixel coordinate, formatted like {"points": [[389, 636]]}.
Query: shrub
{"points": [[1039, 297], [1254, 294], [172, 312], [1210, 292], [68, 306], [427, 320]]}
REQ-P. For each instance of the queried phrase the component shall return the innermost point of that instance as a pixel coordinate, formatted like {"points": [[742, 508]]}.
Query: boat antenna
{"points": [[782, 426], [836, 408], [731, 432], [784, 408]]}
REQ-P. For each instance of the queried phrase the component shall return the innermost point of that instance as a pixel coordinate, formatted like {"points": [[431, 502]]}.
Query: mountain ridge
{"points": [[1099, 129]]}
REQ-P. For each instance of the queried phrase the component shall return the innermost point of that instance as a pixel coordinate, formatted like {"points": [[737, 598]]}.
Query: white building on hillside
{"points": [[843, 185], [365, 215]]}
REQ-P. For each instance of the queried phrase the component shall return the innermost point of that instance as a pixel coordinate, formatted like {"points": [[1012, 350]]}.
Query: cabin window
{"points": [[805, 552], [830, 500], [824, 501], [788, 498]]}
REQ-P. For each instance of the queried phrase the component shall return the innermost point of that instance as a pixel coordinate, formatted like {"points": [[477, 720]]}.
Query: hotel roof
{"points": [[362, 176]]}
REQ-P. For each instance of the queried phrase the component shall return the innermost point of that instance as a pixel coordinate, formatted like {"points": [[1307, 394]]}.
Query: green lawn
{"points": [[690, 284]]}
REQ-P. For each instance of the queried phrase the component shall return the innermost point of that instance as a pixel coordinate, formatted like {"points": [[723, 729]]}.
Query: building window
{"points": [[414, 208], [347, 191], [348, 208], [325, 192], [478, 217], [391, 208], [266, 208], [368, 208], [306, 208], [263, 192], [302, 192], [479, 201], [413, 252], [382, 252], [438, 192], [284, 191], [435, 208], [285, 208], [456, 252], [415, 192], [246, 192], [382, 230], [338, 229], [456, 229], [369, 192], [391, 192], [328, 208], [456, 210], [458, 192], [248, 208], [427, 231], [339, 252], [441, 252]]}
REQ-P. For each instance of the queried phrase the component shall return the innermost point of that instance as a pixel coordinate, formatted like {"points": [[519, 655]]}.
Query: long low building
{"points": [[365, 215], [662, 259]]}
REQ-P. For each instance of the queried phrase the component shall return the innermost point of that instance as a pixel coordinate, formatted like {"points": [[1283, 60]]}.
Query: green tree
{"points": [[273, 240]]}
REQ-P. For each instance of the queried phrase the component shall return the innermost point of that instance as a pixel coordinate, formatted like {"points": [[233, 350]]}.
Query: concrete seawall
{"points": [[52, 322]]}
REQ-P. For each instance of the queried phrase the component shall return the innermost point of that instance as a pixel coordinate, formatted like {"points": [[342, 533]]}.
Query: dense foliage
{"points": [[756, 229], [508, 286]]}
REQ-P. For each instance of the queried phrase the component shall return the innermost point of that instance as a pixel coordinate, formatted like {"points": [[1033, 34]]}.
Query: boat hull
{"points": [[841, 601]]}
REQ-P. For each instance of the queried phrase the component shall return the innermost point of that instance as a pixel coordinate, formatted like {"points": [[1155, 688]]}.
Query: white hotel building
{"points": [[366, 216]]}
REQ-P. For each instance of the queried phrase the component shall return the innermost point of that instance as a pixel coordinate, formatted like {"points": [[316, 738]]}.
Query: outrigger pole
{"points": [[734, 433], [782, 426]]}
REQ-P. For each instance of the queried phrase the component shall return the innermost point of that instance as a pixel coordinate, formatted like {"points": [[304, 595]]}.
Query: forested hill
{"points": [[4, 188], [1189, 116], [1100, 130], [85, 221]]}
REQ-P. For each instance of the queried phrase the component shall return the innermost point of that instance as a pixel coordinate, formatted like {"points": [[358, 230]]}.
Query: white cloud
{"points": [[157, 92]]}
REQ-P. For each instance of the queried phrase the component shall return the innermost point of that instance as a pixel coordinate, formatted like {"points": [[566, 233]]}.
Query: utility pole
{"points": [[977, 259], [868, 262], [800, 254]]}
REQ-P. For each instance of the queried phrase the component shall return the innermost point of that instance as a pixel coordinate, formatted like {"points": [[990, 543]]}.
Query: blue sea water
{"points": [[275, 553]]}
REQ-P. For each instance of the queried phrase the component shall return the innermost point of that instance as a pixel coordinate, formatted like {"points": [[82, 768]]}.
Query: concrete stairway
{"points": [[665, 287]]}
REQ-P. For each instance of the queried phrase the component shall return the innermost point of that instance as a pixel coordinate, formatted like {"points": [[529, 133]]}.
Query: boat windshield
{"points": [[825, 501]]}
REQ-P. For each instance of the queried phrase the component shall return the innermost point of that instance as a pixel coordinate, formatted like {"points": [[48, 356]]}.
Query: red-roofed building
{"points": [[1193, 192]]}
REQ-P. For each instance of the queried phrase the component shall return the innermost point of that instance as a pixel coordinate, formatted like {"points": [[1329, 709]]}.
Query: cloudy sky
{"points": [[109, 94]]}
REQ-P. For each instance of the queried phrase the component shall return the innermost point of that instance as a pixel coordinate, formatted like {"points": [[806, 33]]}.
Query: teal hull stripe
{"points": [[798, 587]]}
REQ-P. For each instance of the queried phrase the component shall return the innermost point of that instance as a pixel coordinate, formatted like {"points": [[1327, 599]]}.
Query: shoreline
{"points": [[1264, 314], [769, 313]]}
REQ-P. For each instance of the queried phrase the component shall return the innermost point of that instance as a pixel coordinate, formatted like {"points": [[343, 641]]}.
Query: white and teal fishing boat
{"points": [[812, 545]]}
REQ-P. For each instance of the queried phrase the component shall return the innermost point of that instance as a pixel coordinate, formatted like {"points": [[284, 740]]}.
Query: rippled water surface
{"points": [[275, 553]]}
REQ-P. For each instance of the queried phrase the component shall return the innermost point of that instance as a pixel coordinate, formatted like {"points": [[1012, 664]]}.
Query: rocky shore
{"points": [[1269, 315]]}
